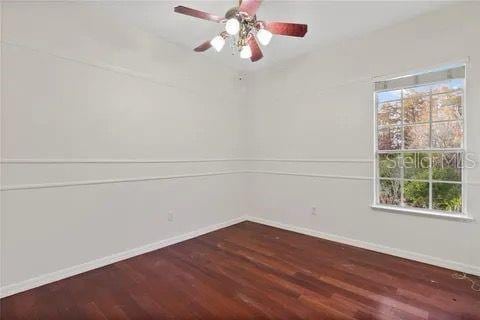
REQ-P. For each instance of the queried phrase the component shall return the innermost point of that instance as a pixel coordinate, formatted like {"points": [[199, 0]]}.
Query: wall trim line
{"points": [[439, 262], [331, 176], [311, 175], [183, 176], [113, 161], [101, 262], [312, 160], [109, 181]]}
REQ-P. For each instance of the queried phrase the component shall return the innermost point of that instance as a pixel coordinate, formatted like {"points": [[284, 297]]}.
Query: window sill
{"points": [[426, 213]]}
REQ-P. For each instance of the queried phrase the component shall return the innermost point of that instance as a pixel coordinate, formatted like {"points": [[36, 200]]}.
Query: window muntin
{"points": [[420, 141]]}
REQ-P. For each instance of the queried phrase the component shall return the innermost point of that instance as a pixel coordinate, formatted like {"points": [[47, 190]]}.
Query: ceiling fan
{"points": [[243, 29]]}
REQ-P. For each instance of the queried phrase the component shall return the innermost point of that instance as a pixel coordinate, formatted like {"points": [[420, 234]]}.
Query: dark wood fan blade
{"points": [[197, 14], [250, 6], [256, 51], [203, 47], [286, 29]]}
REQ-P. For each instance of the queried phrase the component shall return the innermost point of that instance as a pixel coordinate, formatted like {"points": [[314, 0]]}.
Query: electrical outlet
{"points": [[314, 211], [170, 216]]}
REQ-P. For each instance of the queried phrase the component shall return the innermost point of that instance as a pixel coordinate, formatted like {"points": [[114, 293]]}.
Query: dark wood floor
{"points": [[253, 271]]}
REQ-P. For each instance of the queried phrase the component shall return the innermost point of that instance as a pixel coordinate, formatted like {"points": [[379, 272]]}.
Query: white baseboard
{"points": [[471, 269], [101, 262]]}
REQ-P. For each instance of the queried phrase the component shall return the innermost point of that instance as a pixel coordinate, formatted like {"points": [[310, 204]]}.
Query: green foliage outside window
{"points": [[416, 186]]}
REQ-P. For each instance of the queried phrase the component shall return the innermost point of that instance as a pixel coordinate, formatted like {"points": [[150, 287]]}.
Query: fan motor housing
{"points": [[231, 13]]}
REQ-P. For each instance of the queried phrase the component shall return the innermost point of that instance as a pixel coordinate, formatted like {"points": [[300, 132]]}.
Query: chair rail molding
{"points": [[110, 181], [112, 161]]}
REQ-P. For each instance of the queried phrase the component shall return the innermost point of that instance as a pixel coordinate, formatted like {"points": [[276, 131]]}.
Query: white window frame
{"points": [[411, 210]]}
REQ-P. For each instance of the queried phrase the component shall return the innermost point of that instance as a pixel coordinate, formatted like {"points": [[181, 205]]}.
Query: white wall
{"points": [[320, 106], [79, 91]]}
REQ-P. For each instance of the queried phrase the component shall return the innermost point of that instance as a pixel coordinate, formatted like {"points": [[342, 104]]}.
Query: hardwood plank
{"points": [[250, 271]]}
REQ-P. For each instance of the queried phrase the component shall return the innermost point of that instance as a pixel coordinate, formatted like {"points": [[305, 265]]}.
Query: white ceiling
{"points": [[328, 21]]}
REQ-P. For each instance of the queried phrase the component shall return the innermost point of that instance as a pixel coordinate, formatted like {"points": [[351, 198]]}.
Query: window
{"points": [[420, 142]]}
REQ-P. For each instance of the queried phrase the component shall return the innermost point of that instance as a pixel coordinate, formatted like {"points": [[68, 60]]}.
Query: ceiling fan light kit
{"points": [[217, 43], [232, 26], [246, 52], [264, 36], [243, 29]]}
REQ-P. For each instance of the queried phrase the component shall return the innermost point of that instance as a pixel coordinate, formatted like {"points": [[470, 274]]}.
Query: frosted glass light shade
{"points": [[246, 52], [232, 26], [264, 36], [217, 43]]}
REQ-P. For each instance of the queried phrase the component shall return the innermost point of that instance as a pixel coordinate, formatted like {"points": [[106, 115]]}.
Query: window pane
{"points": [[417, 136], [447, 135], [390, 138], [417, 91], [449, 85], [389, 192], [388, 95], [447, 106], [389, 165], [389, 113], [447, 166], [416, 194], [447, 197], [416, 166], [416, 109]]}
